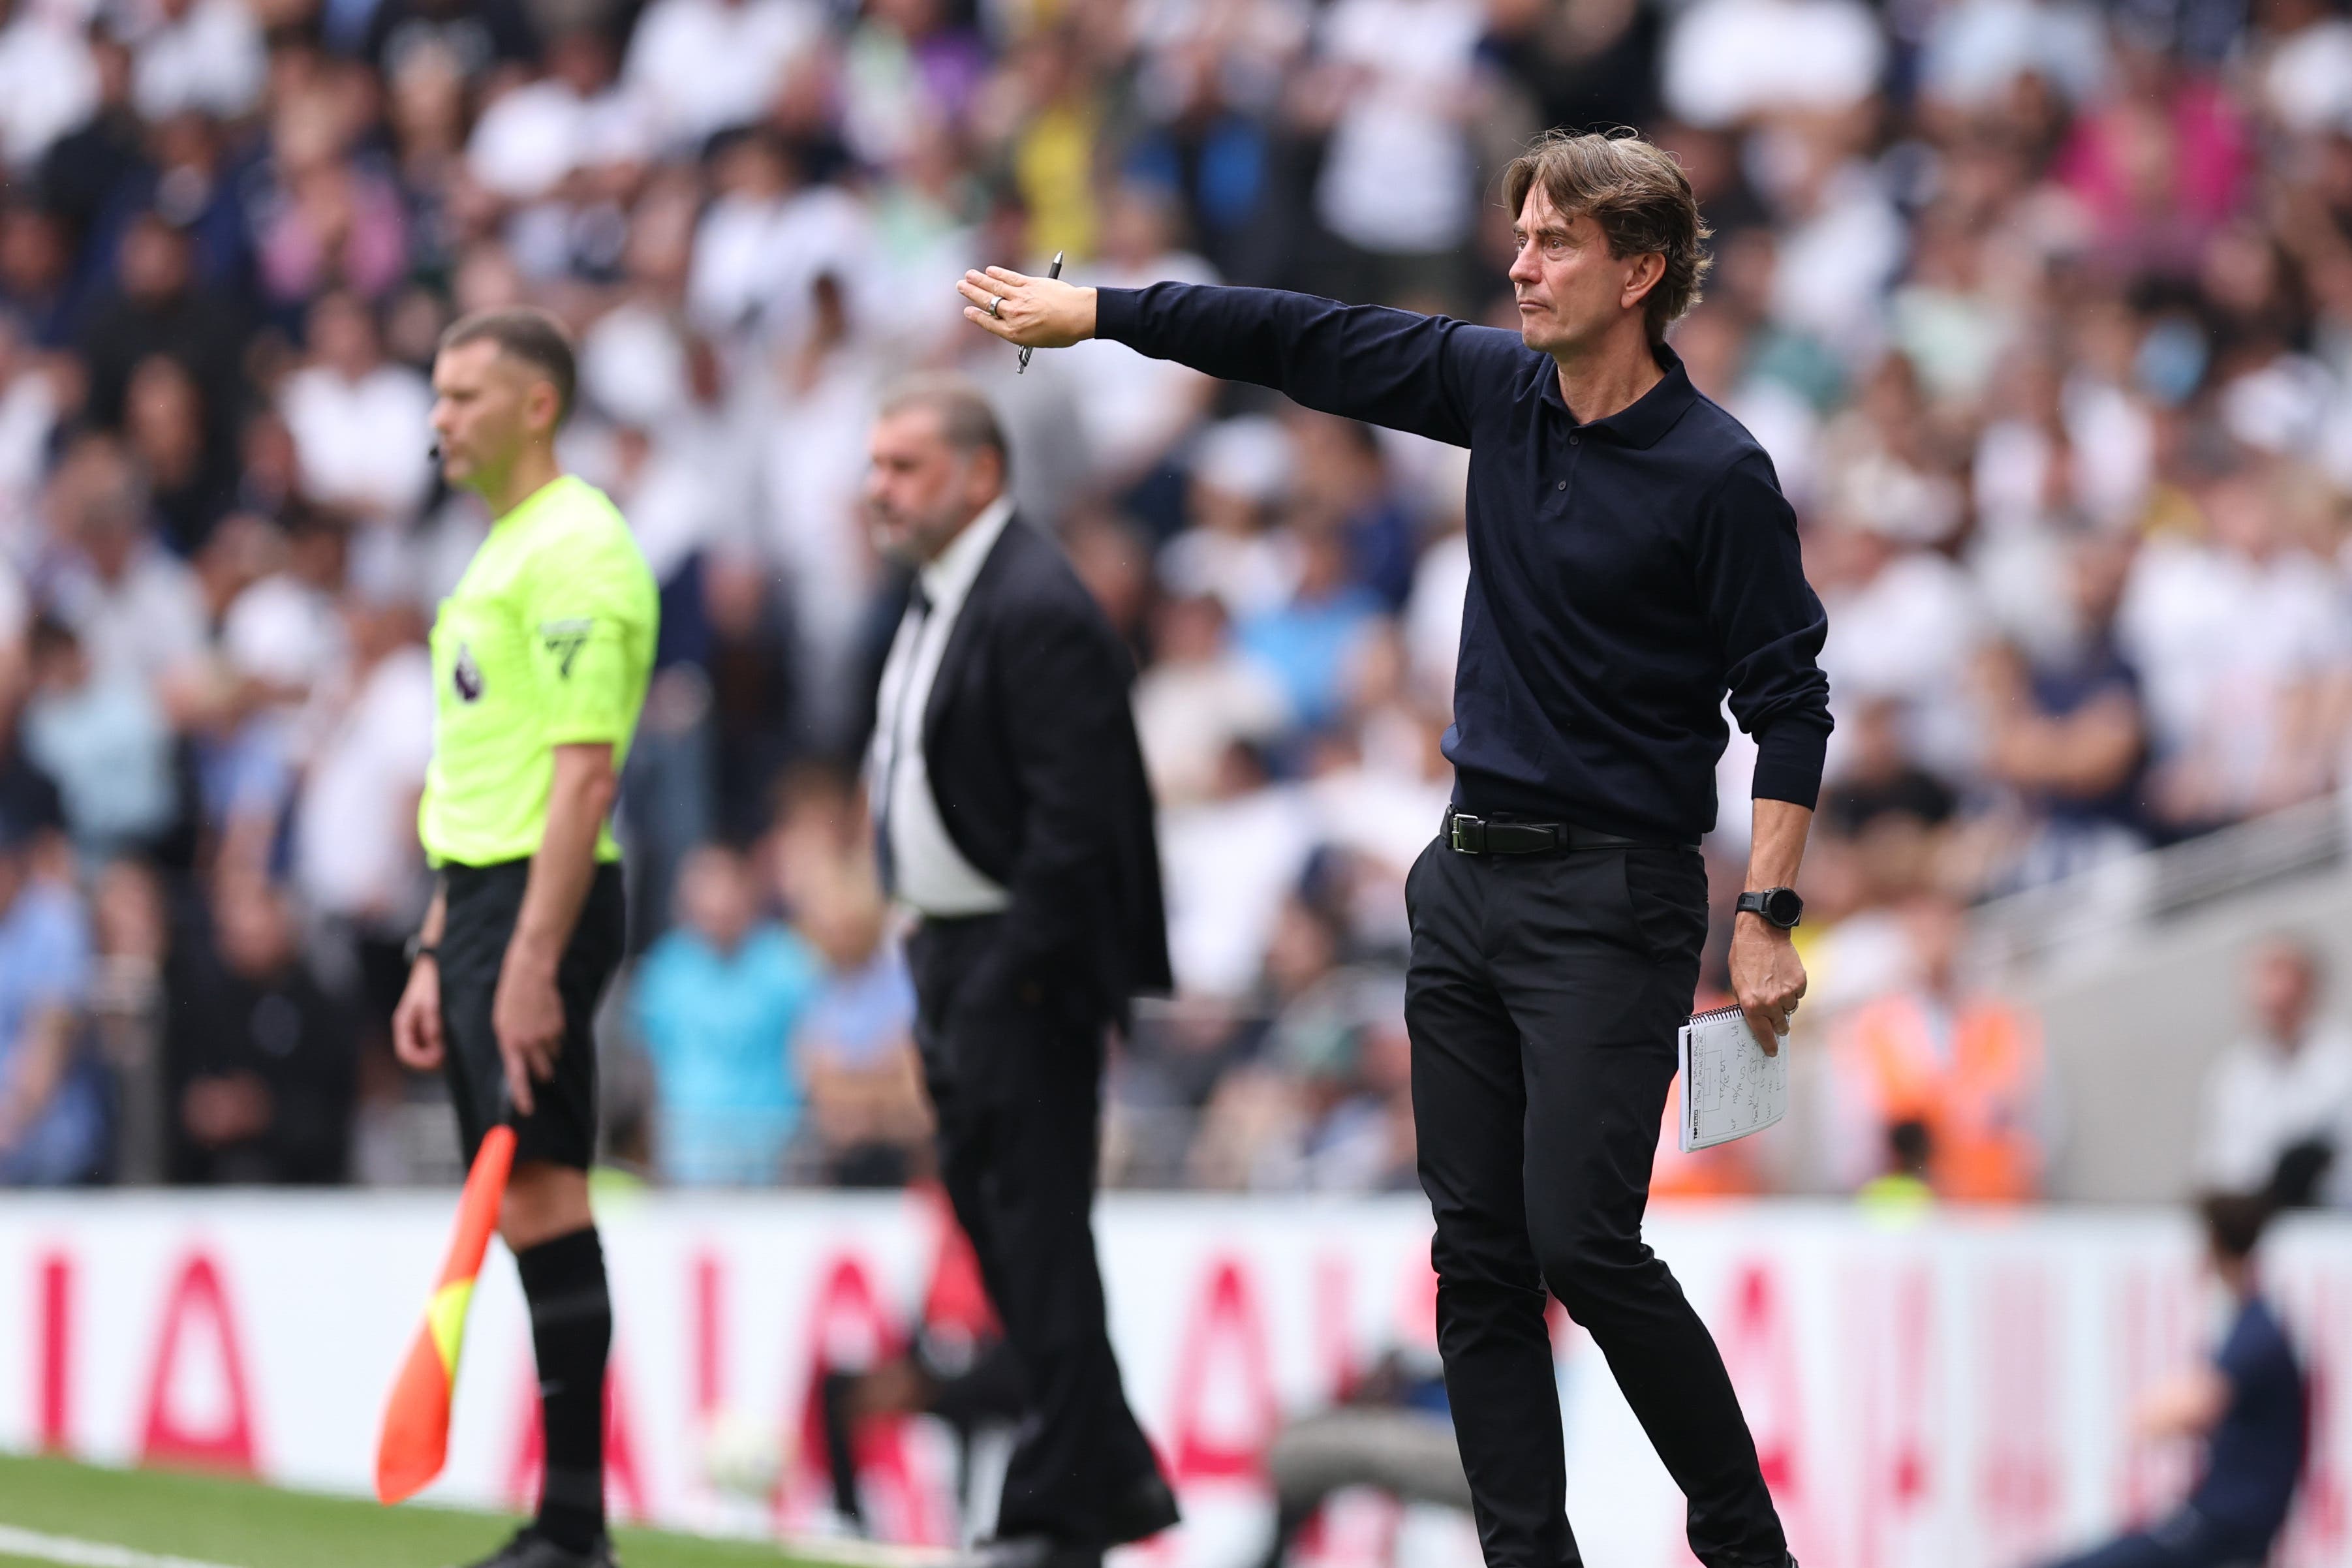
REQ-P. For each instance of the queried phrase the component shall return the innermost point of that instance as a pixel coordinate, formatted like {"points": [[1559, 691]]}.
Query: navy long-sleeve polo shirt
{"points": [[1624, 572]]}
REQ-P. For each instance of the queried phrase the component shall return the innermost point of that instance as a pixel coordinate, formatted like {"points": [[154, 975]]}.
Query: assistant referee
{"points": [[540, 657], [1631, 560]]}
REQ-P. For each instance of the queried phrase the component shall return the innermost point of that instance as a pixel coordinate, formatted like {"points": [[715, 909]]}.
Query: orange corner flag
{"points": [[417, 1424]]}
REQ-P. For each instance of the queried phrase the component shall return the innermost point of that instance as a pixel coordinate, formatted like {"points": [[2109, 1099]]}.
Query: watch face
{"points": [[1783, 907]]}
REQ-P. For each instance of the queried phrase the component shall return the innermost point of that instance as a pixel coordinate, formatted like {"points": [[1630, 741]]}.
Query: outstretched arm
{"points": [[1425, 374]]}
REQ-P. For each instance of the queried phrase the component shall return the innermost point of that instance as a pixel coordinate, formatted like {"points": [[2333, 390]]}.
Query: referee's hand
{"points": [[527, 1015], [1767, 978], [1035, 312], [417, 1021]]}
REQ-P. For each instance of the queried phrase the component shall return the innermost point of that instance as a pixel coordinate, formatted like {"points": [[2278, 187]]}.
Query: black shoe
{"points": [[1145, 1508], [528, 1548]]}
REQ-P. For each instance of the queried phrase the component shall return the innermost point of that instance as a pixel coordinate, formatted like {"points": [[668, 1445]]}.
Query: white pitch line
{"points": [[852, 1552], [65, 1549], [847, 1552]]}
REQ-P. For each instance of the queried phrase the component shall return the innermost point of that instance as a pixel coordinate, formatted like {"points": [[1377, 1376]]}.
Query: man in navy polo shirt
{"points": [[1631, 560], [2247, 1404]]}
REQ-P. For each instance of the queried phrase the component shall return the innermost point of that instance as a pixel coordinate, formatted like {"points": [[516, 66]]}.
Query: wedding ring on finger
{"points": [[996, 306]]}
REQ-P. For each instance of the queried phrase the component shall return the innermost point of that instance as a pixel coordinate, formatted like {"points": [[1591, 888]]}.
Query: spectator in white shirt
{"points": [[1732, 60], [1976, 50], [1904, 624], [203, 56], [355, 854], [2242, 642], [530, 139], [710, 64], [1137, 409], [2283, 1092], [2302, 54], [766, 239], [136, 608], [1399, 178], [1199, 696], [358, 421], [48, 83], [1241, 469]]}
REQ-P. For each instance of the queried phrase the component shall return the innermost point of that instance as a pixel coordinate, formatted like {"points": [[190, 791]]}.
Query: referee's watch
{"points": [[418, 947], [1780, 906]]}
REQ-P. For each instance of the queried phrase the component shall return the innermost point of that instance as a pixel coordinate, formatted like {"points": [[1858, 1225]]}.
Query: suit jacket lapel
{"points": [[963, 636]]}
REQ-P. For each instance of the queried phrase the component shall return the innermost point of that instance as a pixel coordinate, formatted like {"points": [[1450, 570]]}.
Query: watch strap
{"points": [[1759, 901]]}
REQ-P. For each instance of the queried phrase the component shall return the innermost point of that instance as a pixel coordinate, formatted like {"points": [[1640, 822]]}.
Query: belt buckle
{"points": [[1468, 833]]}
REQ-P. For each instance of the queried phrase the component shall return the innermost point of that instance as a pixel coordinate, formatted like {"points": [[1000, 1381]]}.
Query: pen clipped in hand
{"points": [[1052, 273]]}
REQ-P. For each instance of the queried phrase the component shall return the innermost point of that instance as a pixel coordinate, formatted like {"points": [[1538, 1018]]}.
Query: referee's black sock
{"points": [[571, 1330]]}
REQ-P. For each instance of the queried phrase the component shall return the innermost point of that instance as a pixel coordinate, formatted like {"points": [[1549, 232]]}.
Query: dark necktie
{"points": [[919, 611]]}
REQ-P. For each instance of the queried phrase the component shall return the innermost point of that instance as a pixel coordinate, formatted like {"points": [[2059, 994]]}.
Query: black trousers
{"points": [[1543, 998], [1016, 1083], [483, 903]]}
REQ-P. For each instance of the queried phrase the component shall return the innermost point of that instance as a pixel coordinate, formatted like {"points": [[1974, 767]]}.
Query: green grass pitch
{"points": [[242, 1526]]}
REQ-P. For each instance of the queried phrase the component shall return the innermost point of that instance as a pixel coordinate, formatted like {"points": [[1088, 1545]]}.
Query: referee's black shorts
{"points": [[481, 904]]}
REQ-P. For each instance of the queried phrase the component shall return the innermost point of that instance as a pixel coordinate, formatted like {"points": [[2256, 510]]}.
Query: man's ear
{"points": [[545, 404], [1648, 268], [988, 472]]}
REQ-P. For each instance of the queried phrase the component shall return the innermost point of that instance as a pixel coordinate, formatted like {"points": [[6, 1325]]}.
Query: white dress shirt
{"points": [[930, 875], [2261, 1099]]}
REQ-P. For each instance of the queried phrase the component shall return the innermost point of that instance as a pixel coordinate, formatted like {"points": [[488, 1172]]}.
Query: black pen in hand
{"points": [[1052, 272]]}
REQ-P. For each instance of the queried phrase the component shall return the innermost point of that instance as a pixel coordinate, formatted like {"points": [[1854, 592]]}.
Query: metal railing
{"points": [[2090, 913]]}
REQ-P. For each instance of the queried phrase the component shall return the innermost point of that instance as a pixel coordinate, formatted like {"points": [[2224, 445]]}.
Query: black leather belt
{"points": [[1472, 835]]}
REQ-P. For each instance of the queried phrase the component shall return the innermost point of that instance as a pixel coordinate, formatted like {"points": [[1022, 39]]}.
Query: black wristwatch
{"points": [[1780, 906], [418, 947]]}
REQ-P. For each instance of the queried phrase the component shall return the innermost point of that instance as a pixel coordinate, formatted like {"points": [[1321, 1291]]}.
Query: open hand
{"points": [[1767, 978], [1035, 312]]}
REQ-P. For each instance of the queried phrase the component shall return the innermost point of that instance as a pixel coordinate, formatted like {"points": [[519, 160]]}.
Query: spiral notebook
{"points": [[1729, 1087]]}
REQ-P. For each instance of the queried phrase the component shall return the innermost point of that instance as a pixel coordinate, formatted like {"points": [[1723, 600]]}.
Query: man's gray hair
{"points": [[967, 419]]}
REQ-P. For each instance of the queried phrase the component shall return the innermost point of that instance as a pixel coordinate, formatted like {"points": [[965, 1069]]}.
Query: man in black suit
{"points": [[1012, 819]]}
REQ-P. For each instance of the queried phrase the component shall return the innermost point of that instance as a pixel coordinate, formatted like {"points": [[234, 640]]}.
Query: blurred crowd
{"points": [[2042, 309]]}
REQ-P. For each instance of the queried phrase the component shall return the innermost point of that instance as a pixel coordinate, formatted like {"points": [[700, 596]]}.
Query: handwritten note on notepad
{"points": [[1729, 1087]]}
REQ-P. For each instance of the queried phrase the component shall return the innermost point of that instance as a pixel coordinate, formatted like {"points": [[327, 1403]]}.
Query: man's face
{"points": [[153, 262], [716, 897], [2283, 989], [487, 406], [343, 336], [920, 491], [1570, 290]]}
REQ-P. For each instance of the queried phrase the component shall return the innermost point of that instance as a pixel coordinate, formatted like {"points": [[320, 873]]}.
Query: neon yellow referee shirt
{"points": [[547, 640]]}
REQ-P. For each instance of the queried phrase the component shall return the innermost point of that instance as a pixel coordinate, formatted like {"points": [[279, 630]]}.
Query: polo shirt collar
{"points": [[1643, 422]]}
